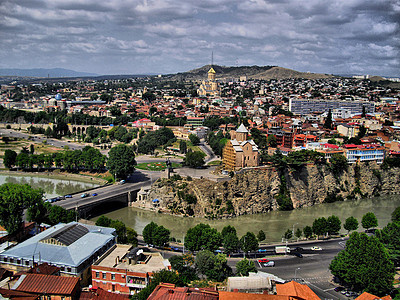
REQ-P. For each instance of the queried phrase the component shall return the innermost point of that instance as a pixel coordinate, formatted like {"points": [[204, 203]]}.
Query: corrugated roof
{"points": [[47, 284], [100, 294], [69, 234], [168, 291], [249, 296]]}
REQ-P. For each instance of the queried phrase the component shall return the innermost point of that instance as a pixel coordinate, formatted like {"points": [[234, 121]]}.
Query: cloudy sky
{"points": [[169, 36]]}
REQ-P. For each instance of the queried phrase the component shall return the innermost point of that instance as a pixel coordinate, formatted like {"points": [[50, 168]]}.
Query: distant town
{"points": [[210, 143]]}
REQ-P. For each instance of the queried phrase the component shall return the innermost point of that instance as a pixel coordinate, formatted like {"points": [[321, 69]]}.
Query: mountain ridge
{"points": [[44, 73]]}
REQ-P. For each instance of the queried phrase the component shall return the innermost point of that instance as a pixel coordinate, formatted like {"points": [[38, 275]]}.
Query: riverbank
{"points": [[57, 175]]}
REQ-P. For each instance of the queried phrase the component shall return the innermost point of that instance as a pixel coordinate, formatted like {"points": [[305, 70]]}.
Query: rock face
{"points": [[255, 191]]}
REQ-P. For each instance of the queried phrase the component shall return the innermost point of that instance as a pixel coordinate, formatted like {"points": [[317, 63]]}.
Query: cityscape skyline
{"points": [[138, 37]]}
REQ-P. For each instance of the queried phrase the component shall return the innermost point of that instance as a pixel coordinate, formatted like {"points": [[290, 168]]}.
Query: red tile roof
{"points": [[48, 284], [297, 290], [100, 294], [12, 294], [368, 296], [168, 291]]}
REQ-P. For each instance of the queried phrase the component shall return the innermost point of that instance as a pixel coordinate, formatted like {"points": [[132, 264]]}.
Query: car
{"points": [[298, 254], [94, 194], [176, 249], [298, 249], [122, 182], [262, 250], [316, 248], [60, 198], [263, 260], [67, 196], [269, 264], [84, 195], [339, 289]]}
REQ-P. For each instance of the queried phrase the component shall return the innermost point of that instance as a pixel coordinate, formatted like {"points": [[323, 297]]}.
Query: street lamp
{"points": [[293, 229], [295, 273]]}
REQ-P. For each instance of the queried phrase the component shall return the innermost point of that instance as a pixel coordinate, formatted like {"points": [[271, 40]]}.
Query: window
{"points": [[97, 275], [112, 276], [18, 261], [104, 276], [5, 259], [27, 263], [69, 270]]}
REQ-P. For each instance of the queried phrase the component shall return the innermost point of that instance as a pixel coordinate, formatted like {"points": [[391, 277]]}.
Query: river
{"points": [[274, 224], [52, 187]]}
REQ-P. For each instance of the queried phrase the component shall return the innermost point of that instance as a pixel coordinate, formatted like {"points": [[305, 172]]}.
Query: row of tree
{"points": [[126, 235], [368, 262]]}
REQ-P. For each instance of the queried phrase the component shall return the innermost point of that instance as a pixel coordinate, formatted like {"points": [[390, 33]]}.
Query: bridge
{"points": [[122, 193]]}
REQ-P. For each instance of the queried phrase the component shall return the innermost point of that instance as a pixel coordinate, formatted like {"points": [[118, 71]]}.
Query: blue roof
{"points": [[156, 200]]}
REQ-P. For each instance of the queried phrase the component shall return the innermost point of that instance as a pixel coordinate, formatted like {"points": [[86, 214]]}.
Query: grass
{"points": [[215, 163], [156, 166]]}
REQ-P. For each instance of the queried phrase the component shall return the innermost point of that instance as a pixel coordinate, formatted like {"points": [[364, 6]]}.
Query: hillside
{"points": [[40, 72], [252, 72]]}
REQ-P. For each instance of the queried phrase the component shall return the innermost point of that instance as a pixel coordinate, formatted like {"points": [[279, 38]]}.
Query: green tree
{"points": [[364, 265], [183, 265], [271, 141], [131, 236], [149, 232], [202, 237], [298, 233], [9, 159], [328, 120], [390, 237], [249, 242], [333, 225], [230, 243], [194, 159], [194, 139], [396, 215], [182, 147], [244, 266], [338, 164], [308, 232], [261, 236], [103, 221], [288, 234], [320, 226], [204, 261], [57, 214], [350, 224], [161, 236], [121, 161], [369, 220], [13, 199], [227, 230], [221, 270]]}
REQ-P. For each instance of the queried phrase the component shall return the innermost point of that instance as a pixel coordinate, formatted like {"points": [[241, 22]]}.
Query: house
{"points": [[50, 286], [72, 247], [168, 291], [296, 291], [126, 269], [96, 293], [368, 296], [240, 152]]}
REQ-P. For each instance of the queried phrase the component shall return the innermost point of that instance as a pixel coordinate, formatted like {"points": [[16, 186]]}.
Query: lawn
{"points": [[156, 166], [215, 163]]}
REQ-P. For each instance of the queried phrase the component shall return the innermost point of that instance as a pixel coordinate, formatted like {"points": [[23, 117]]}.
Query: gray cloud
{"points": [[167, 36]]}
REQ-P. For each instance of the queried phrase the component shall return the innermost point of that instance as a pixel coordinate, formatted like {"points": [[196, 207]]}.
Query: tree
{"points": [[298, 233], [121, 161], [194, 159], [249, 242], [261, 236], [204, 261], [230, 243], [350, 224], [103, 221], [338, 163], [182, 147], [308, 232], [13, 199], [149, 232], [194, 139], [227, 230], [183, 265], [271, 141], [202, 237], [320, 226], [131, 236], [288, 234], [364, 265], [369, 220], [244, 266], [390, 237], [333, 225], [396, 215], [161, 236], [9, 159], [328, 120]]}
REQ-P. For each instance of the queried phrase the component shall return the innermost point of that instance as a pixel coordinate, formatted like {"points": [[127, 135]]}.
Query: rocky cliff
{"points": [[257, 190]]}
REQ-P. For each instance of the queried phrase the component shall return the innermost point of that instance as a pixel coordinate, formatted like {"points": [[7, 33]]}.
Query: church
{"points": [[239, 152], [210, 86]]}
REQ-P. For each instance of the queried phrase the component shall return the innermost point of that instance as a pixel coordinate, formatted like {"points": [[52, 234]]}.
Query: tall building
{"points": [[210, 86], [308, 106], [239, 152]]}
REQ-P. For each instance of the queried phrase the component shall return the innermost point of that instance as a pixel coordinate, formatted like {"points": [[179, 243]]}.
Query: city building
{"points": [[360, 153], [240, 152], [72, 247], [210, 86], [308, 106], [126, 269]]}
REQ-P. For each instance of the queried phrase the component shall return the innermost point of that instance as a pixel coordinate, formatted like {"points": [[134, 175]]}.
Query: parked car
{"points": [[298, 254], [339, 289], [269, 264], [60, 198], [263, 260], [298, 249], [262, 250], [316, 248], [122, 182], [67, 196], [94, 194], [84, 195]]}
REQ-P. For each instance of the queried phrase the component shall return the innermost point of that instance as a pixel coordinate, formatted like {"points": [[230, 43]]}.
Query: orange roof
{"points": [[49, 284], [249, 296], [296, 289], [168, 291], [100, 294], [368, 296]]}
